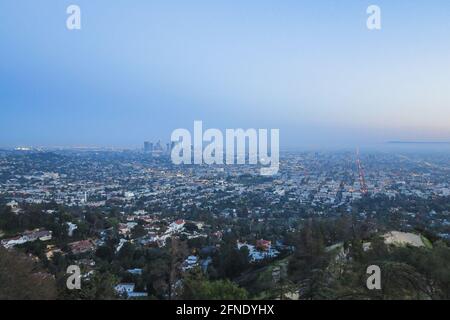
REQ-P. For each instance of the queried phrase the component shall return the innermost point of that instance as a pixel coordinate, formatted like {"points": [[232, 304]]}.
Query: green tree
{"points": [[99, 286], [21, 279], [198, 288]]}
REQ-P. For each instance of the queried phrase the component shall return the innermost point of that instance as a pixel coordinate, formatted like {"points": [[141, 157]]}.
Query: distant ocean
{"points": [[390, 146]]}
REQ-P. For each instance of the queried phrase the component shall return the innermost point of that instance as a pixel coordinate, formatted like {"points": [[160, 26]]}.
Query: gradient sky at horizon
{"points": [[139, 69]]}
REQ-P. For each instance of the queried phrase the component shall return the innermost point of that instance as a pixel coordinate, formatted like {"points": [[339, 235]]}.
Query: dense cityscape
{"points": [[140, 227], [223, 159]]}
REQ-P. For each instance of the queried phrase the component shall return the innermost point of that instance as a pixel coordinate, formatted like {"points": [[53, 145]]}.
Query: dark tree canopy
{"points": [[21, 279]]}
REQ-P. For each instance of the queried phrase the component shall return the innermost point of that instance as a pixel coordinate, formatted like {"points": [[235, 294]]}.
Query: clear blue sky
{"points": [[139, 69]]}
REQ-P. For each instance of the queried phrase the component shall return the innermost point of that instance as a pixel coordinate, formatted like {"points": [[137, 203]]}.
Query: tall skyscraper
{"points": [[147, 146], [158, 146]]}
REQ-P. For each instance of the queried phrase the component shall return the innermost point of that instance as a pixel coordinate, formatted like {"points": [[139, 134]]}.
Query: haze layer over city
{"points": [[216, 150]]}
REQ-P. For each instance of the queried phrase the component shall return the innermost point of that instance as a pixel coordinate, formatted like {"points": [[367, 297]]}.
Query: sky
{"points": [[139, 69]]}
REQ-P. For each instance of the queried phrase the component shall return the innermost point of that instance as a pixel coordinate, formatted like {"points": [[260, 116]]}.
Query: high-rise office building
{"points": [[158, 146], [148, 147]]}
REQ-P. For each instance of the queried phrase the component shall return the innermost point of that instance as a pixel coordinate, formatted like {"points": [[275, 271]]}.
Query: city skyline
{"points": [[225, 157]]}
